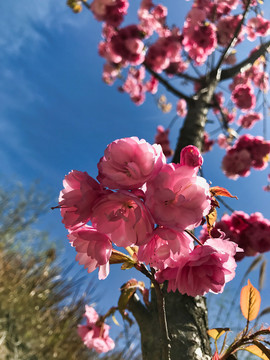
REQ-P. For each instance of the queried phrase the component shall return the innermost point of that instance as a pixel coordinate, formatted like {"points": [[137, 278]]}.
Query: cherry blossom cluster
{"points": [[141, 201], [250, 232], [208, 25], [95, 334], [248, 151]]}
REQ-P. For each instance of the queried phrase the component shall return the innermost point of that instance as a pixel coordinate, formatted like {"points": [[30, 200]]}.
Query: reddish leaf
{"points": [[220, 191], [250, 301]]}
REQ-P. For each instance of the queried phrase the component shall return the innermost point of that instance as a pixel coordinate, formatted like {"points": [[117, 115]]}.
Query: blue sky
{"points": [[56, 114]]}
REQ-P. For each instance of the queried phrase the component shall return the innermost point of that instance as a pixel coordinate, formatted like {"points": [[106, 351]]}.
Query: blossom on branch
{"points": [[127, 43], [110, 11], [206, 268], [148, 205], [93, 249], [250, 232], [248, 121], [124, 217], [177, 198], [77, 198], [95, 334], [128, 163], [248, 151], [243, 97]]}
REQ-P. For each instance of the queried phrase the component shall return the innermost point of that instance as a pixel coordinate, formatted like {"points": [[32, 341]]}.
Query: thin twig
{"points": [[193, 237]]}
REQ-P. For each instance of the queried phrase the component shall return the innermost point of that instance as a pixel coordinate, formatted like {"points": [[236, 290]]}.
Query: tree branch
{"points": [[234, 38], [168, 86], [187, 77], [245, 64]]}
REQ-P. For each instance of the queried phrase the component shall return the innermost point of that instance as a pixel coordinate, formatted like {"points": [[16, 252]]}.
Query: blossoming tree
{"points": [[150, 207]]}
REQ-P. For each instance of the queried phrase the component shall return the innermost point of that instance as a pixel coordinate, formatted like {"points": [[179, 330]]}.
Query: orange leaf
{"points": [[255, 350], [211, 219], [220, 191], [250, 301], [217, 332]]}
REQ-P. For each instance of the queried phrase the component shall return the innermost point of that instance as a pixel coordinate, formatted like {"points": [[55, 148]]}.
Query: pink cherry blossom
{"points": [[110, 11], [105, 50], [240, 79], [206, 268], [152, 85], [95, 334], [134, 86], [93, 249], [177, 198], [110, 73], [243, 97], [236, 163], [222, 7], [251, 233], [152, 18], [226, 29], [229, 115], [128, 44], [124, 218], [162, 138], [248, 151], [248, 121], [162, 244], [181, 108], [164, 51], [77, 198], [199, 39], [215, 356], [128, 163], [191, 156], [257, 26], [222, 141]]}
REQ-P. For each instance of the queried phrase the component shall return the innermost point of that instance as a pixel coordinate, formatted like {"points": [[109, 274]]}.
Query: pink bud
{"points": [[191, 156]]}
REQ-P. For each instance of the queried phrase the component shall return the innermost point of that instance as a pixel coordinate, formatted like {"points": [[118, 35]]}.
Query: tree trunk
{"points": [[186, 315]]}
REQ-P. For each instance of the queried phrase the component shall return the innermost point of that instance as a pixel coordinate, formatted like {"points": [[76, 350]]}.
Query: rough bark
{"points": [[186, 316], [192, 130], [187, 325]]}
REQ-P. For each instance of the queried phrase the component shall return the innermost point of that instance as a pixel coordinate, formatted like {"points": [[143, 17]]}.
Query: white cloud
{"points": [[17, 18]]}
